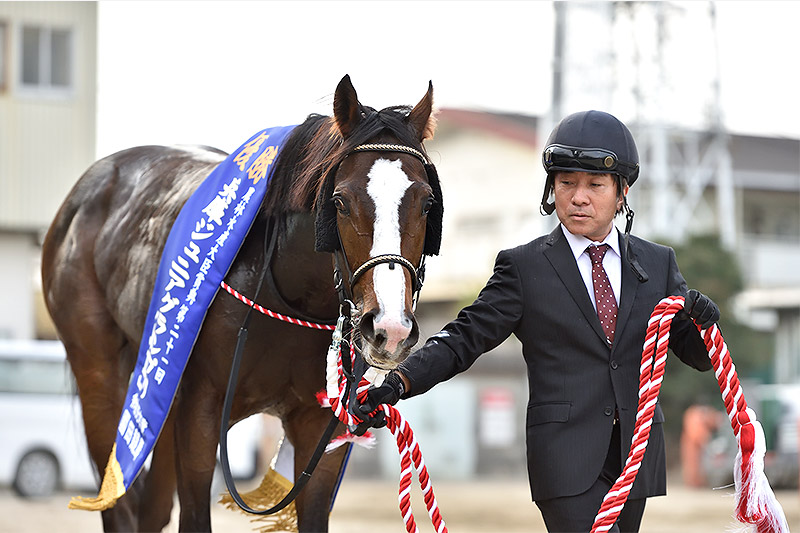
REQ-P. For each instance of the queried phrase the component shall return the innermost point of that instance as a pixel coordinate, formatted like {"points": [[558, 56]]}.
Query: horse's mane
{"points": [[316, 147]]}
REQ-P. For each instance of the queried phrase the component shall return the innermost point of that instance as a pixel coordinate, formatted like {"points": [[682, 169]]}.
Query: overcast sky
{"points": [[215, 72]]}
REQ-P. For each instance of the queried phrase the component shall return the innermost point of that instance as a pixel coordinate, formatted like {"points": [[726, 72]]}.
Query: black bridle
{"points": [[341, 263], [347, 312]]}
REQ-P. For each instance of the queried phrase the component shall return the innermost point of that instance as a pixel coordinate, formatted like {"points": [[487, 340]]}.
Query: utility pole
{"points": [[556, 105]]}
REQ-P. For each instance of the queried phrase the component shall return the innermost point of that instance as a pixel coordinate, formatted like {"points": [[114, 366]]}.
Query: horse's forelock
{"points": [[319, 149], [390, 121]]}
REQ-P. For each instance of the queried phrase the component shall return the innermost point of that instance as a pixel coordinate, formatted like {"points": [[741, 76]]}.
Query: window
{"points": [[46, 61], [41, 377], [771, 214]]}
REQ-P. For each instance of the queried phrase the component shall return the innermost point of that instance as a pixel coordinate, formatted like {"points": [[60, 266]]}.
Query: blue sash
{"points": [[200, 249]]}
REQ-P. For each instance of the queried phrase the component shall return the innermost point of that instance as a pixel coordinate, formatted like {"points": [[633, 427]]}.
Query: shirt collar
{"points": [[579, 243]]}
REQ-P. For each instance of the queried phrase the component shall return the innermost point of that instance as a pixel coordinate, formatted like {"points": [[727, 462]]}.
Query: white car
{"points": [[42, 446], [42, 443]]}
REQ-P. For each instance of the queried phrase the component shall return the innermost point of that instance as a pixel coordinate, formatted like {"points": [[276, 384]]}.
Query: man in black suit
{"points": [[579, 300]]}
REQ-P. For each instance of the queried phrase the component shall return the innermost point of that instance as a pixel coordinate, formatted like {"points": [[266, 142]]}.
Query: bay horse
{"points": [[328, 194]]}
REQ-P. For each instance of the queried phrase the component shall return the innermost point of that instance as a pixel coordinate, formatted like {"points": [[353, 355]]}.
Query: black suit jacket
{"points": [[576, 380]]}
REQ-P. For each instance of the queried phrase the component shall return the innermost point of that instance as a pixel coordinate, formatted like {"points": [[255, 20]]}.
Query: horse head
{"points": [[379, 210]]}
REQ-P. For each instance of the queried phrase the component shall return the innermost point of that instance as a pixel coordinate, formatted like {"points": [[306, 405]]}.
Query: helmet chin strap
{"points": [[628, 216], [626, 246]]}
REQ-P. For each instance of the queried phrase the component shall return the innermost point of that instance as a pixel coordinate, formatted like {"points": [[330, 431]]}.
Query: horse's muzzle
{"points": [[387, 341]]}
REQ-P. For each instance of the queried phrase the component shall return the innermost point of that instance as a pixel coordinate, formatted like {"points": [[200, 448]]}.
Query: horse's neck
{"points": [[303, 277]]}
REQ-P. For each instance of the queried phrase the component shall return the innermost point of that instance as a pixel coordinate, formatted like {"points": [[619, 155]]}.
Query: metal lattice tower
{"points": [[656, 66]]}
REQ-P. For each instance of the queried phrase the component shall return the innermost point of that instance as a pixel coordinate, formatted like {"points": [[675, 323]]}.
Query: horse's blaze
{"points": [[393, 322]]}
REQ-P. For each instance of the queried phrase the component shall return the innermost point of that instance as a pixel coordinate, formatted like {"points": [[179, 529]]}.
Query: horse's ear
{"points": [[421, 117], [346, 109]]}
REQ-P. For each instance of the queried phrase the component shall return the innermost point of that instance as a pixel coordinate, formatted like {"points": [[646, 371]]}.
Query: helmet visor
{"points": [[594, 159]]}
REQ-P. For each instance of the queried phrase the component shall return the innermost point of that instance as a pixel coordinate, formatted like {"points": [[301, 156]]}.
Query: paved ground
{"points": [[472, 507]]}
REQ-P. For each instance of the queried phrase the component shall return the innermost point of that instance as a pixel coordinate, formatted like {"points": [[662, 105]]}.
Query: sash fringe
{"points": [[111, 489], [271, 490]]}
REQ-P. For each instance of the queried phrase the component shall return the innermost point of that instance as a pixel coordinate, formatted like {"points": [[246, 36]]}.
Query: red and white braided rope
{"points": [[755, 501], [407, 446], [250, 303], [336, 385]]}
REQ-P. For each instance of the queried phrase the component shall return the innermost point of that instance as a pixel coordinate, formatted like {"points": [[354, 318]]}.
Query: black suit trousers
{"points": [[575, 514]]}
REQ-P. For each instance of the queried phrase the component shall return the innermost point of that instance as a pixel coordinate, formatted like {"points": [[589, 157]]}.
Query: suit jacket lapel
{"points": [[560, 256]]}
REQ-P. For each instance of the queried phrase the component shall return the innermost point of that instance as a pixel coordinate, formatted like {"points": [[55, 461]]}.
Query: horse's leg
{"points": [[304, 429], [95, 351], [159, 489], [197, 421]]}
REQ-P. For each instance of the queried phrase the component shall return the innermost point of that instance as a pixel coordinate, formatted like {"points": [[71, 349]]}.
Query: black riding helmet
{"points": [[597, 143], [593, 142]]}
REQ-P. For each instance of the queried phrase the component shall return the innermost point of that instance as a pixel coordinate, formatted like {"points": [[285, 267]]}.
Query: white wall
{"points": [[47, 135], [18, 253]]}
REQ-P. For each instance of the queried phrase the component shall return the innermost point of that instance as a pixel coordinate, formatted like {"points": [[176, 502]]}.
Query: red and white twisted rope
{"points": [[407, 446], [755, 501], [250, 303], [336, 386]]}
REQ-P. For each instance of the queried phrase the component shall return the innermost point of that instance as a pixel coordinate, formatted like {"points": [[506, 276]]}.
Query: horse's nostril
{"points": [[368, 332], [380, 339], [367, 326], [413, 337]]}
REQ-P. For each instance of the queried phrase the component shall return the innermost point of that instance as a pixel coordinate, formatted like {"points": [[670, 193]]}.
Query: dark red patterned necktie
{"points": [[603, 293]]}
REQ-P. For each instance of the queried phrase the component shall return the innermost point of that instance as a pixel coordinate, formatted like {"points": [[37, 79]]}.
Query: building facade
{"points": [[48, 78]]}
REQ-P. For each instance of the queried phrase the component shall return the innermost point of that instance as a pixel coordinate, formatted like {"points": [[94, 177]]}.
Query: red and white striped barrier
{"points": [[755, 501]]}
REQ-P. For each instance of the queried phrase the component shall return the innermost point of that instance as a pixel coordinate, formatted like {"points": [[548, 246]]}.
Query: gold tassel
{"points": [[272, 489], [111, 489]]}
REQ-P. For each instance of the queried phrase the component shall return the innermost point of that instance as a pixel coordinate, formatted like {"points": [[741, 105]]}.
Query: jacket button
{"points": [[608, 411], [614, 364]]}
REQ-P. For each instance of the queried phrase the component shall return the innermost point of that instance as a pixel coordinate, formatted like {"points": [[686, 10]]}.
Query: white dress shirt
{"points": [[612, 262]]}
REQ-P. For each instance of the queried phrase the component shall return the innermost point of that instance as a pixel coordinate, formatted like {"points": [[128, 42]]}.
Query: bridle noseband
{"points": [[391, 259], [341, 263]]}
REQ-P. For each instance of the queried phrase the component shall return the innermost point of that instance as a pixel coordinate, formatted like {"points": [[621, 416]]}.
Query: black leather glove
{"points": [[377, 420], [701, 309], [389, 392]]}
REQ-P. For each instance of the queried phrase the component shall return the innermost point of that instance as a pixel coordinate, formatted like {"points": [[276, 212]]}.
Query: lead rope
{"points": [[755, 501], [336, 391], [410, 454]]}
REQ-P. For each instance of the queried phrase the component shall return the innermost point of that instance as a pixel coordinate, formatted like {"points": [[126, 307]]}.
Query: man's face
{"points": [[586, 203]]}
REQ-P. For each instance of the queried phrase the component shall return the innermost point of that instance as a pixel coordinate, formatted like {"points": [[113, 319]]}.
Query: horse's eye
{"points": [[428, 205], [341, 205]]}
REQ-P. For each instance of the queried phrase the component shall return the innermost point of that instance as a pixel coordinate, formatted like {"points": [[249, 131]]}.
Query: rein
{"points": [[269, 248], [347, 377]]}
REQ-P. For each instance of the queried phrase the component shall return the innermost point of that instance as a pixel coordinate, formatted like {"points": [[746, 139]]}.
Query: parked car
{"points": [[42, 442], [43, 446]]}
